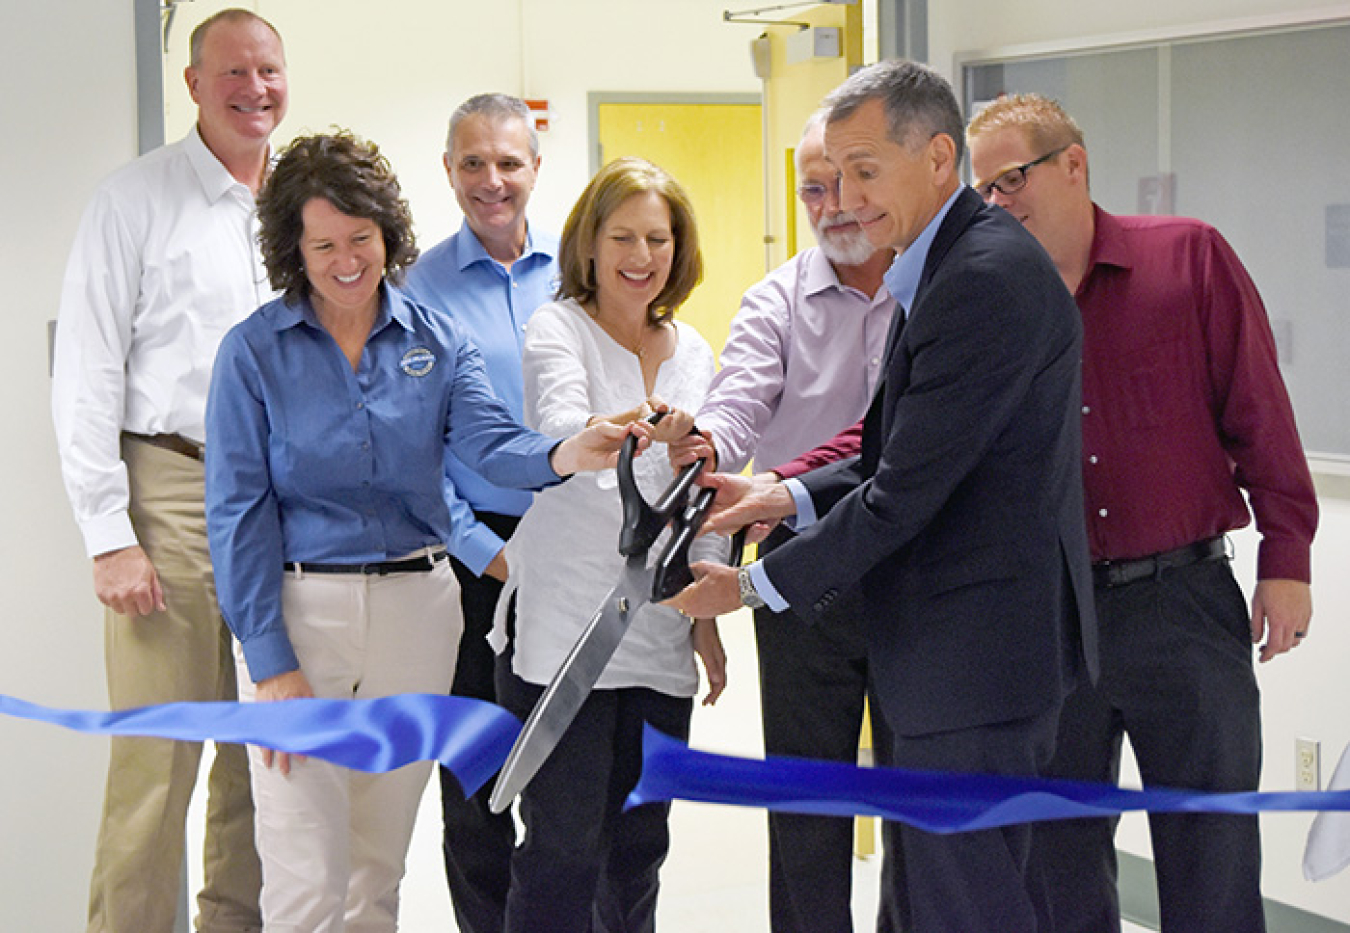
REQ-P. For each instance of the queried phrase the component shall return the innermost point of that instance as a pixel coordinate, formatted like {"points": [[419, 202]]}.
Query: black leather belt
{"points": [[174, 442], [1110, 573], [422, 563]]}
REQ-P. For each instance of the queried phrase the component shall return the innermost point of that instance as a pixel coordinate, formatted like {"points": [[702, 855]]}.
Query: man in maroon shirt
{"points": [[1184, 409]]}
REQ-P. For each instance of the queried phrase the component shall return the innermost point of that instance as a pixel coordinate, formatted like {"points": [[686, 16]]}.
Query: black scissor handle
{"points": [[642, 521], [672, 572]]}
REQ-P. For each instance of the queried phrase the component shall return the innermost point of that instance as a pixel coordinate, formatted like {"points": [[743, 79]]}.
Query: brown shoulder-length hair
{"points": [[349, 173], [612, 185]]}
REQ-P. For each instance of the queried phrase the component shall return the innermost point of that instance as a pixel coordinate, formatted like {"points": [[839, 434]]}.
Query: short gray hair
{"points": [[197, 40], [494, 107], [919, 102]]}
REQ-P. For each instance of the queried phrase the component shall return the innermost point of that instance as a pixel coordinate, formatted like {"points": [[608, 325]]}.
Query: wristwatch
{"points": [[749, 595]]}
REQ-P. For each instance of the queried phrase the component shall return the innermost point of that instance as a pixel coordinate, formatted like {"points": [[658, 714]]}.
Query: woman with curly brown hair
{"points": [[330, 413]]}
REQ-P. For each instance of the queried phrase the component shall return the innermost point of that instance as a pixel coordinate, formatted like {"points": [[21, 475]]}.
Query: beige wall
{"points": [[1303, 694]]}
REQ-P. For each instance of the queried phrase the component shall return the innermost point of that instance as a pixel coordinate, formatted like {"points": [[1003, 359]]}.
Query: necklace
{"points": [[640, 350]]}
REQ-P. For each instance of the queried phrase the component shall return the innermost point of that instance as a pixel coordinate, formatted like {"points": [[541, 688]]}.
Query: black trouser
{"points": [[979, 881], [586, 865], [477, 843], [1177, 677], [813, 680]]}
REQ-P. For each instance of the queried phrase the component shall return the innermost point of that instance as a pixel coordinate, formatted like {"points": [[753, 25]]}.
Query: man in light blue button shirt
{"points": [[489, 276]]}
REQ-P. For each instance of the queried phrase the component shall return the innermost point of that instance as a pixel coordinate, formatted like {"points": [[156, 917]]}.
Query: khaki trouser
{"points": [[183, 653], [333, 841]]}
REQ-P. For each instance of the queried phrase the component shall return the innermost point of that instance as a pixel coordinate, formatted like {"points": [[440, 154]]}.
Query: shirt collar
{"points": [[820, 274], [1109, 246], [469, 249], [902, 278], [214, 177]]}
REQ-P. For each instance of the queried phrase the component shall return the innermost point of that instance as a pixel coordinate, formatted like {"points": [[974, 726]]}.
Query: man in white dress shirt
{"points": [[164, 263], [800, 365]]}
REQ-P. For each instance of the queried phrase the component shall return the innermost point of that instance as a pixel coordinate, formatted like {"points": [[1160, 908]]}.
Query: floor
{"points": [[715, 879]]}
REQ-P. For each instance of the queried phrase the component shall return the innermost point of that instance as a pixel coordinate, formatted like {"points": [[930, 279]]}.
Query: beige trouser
{"points": [[182, 653], [333, 841]]}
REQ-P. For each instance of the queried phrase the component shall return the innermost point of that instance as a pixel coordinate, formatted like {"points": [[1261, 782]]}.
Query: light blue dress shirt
{"points": [[902, 281], [311, 461], [491, 304]]}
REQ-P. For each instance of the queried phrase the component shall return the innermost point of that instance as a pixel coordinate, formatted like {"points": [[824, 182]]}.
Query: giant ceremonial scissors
{"points": [[640, 583]]}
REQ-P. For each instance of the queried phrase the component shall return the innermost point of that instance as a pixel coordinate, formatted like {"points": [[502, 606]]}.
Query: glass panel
{"points": [[1261, 133]]}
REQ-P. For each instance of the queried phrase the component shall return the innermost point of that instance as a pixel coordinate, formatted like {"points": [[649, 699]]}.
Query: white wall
{"points": [[1304, 693], [972, 25], [67, 109]]}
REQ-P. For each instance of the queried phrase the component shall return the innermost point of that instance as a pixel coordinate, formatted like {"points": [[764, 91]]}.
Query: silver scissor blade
{"points": [[558, 705]]}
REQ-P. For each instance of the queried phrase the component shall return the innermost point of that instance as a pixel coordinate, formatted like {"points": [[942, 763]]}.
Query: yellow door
{"points": [[714, 150]]}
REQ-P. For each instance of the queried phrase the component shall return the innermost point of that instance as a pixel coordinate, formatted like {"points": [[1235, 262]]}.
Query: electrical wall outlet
{"points": [[1308, 764]]}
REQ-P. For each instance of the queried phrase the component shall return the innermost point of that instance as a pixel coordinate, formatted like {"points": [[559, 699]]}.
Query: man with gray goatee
{"points": [[801, 362]]}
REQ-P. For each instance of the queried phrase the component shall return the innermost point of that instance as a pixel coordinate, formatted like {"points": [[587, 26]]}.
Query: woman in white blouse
{"points": [[607, 349]]}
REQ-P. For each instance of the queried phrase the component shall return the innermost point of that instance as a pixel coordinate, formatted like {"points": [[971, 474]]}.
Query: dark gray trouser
{"points": [[1177, 677]]}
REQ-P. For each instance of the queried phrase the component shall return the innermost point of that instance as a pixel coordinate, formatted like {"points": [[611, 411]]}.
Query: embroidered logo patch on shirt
{"points": [[418, 361]]}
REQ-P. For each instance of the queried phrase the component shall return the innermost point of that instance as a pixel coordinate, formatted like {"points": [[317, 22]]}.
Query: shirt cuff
{"points": [[477, 547], [106, 533], [765, 588], [269, 654], [806, 509], [1283, 560]]}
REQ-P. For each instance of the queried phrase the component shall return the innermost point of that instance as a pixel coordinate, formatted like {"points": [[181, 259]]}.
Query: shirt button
{"points": [[875, 361], [1092, 459], [360, 406], [1087, 409], [365, 445], [1101, 512]]}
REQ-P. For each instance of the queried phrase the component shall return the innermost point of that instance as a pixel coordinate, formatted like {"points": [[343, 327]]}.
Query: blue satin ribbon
{"points": [[469, 737], [934, 801], [472, 739]]}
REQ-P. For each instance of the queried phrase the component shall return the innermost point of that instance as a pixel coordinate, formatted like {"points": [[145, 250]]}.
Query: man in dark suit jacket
{"points": [[958, 531]]}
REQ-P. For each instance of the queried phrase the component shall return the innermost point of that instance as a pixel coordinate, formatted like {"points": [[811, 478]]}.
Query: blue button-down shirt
{"points": [[492, 304], [311, 461], [902, 281]]}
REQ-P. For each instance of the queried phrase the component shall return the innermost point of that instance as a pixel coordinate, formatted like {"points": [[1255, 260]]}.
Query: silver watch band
{"points": [[749, 595]]}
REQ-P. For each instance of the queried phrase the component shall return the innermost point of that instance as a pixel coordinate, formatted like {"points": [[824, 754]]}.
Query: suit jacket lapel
{"points": [[966, 206]]}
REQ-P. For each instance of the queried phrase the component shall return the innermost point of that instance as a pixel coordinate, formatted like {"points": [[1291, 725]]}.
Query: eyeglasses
{"points": [[812, 193], [1014, 179]]}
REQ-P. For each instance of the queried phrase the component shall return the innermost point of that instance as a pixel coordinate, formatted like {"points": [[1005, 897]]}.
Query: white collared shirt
{"points": [[165, 261]]}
